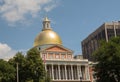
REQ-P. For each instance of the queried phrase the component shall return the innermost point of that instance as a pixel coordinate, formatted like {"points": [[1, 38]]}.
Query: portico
{"points": [[67, 70]]}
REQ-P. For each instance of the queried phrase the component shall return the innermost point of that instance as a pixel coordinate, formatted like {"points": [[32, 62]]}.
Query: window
{"points": [[118, 32], [69, 56], [50, 55], [110, 33], [57, 55], [47, 25], [62, 56]]}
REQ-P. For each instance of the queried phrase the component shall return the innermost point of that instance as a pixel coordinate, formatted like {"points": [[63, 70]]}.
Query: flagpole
{"points": [[17, 74]]}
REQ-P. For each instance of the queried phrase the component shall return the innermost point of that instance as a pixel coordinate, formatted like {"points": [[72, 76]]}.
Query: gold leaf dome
{"points": [[47, 36]]}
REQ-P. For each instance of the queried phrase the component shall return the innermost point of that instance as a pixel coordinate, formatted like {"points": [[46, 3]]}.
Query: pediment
{"points": [[58, 48]]}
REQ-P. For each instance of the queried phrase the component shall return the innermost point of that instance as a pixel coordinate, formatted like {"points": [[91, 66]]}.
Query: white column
{"points": [[106, 34], [45, 67], [114, 29], [87, 72], [72, 71], [65, 73], [59, 72], [69, 72], [52, 72], [78, 72]]}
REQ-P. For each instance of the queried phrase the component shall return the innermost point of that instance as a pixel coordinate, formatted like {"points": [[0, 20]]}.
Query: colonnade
{"points": [[67, 72]]}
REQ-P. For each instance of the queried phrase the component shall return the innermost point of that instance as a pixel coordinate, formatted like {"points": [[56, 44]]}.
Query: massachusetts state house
{"points": [[60, 62]]}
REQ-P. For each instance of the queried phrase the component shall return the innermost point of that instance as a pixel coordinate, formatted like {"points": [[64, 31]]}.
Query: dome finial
{"points": [[46, 19], [46, 24]]}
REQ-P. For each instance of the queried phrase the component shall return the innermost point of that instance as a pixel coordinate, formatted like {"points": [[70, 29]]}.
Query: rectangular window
{"points": [[110, 33], [118, 32], [50, 55], [57, 55], [69, 57], [62, 56]]}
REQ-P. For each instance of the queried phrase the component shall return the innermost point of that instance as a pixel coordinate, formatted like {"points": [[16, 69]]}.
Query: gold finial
{"points": [[46, 19]]}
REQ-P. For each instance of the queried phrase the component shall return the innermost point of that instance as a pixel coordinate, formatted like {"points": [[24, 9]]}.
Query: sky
{"points": [[73, 20]]}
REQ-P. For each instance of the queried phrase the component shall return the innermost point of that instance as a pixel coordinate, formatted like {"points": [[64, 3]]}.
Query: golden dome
{"points": [[47, 36]]}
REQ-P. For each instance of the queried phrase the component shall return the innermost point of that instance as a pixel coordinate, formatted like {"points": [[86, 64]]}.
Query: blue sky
{"points": [[73, 20]]}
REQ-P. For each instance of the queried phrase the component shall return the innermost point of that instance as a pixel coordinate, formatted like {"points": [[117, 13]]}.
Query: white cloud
{"points": [[16, 10], [49, 7], [6, 52]]}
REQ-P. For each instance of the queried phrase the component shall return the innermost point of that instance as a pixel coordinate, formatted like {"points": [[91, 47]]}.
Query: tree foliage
{"points": [[107, 56], [31, 67], [20, 59], [34, 65], [7, 72], [47, 79]]}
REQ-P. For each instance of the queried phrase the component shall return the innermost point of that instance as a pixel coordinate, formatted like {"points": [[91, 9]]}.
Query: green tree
{"points": [[7, 72], [35, 67], [107, 56], [21, 60], [31, 68], [47, 79]]}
